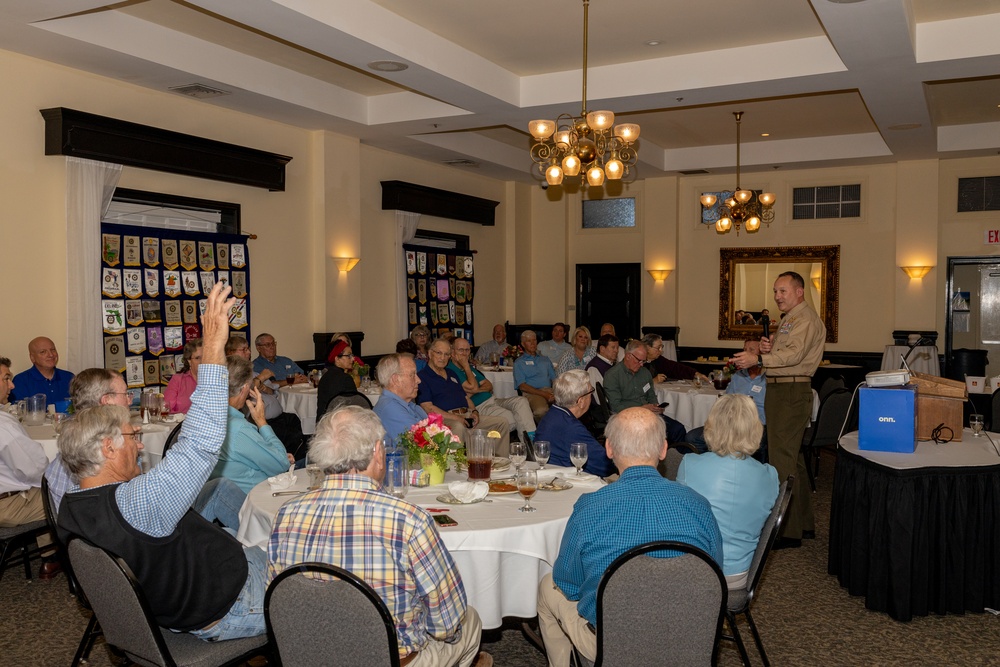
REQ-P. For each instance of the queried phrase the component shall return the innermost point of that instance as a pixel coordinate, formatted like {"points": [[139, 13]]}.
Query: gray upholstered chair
{"points": [[128, 624], [739, 600], [660, 611], [669, 465], [329, 622]]}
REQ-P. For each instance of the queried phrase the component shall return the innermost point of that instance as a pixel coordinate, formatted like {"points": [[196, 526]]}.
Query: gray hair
{"points": [[570, 386], [256, 341], [389, 366], [236, 342], [733, 427], [190, 348], [90, 386], [636, 434], [528, 333], [345, 440], [633, 345], [81, 438], [240, 373], [420, 329], [651, 339]]}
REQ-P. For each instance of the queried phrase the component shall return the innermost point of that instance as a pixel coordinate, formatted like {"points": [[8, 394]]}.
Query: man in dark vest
{"points": [[195, 575]]}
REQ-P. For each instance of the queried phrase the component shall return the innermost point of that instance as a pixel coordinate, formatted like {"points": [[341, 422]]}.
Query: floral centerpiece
{"points": [[430, 441], [512, 352], [730, 368]]}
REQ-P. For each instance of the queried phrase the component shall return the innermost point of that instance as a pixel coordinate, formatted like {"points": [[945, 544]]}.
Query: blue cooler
{"points": [[888, 419]]}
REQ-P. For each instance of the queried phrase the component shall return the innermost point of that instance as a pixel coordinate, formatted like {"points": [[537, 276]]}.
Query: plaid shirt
{"points": [[389, 543]]}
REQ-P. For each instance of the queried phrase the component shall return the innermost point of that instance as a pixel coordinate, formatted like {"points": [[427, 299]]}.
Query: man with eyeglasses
{"points": [[630, 385], [283, 368], [195, 575]]}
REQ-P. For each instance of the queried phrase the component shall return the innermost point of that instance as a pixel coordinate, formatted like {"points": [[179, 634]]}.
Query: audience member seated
{"points": [[284, 369], [534, 375], [554, 349], [640, 507], [336, 380], [608, 328], [43, 377], [147, 518], [421, 337], [177, 395], [441, 391], [664, 369], [561, 426], [514, 410], [607, 353], [630, 385], [495, 345], [251, 452], [407, 346], [397, 373], [392, 545], [330, 357], [579, 355], [740, 489], [749, 382]]}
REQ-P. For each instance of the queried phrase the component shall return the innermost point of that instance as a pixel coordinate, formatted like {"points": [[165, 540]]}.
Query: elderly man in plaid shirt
{"points": [[392, 545]]}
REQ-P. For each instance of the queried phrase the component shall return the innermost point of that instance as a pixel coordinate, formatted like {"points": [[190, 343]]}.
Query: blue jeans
{"points": [[246, 617], [220, 499]]}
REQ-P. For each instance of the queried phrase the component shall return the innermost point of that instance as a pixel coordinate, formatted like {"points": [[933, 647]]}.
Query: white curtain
{"points": [[406, 229], [89, 188]]}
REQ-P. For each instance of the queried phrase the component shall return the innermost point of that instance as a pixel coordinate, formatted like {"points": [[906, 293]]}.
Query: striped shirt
{"points": [[390, 544]]}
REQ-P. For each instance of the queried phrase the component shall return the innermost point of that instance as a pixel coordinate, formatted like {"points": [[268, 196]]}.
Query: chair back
{"points": [[359, 400], [660, 611], [994, 412], [335, 621], [671, 463], [118, 602], [171, 439], [61, 554], [834, 411], [740, 600], [829, 385]]}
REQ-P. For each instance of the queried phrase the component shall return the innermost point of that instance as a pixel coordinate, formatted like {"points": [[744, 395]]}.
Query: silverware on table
{"points": [[287, 493]]}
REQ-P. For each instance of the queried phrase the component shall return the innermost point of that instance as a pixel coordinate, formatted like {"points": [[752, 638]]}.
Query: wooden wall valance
{"points": [[403, 196]]}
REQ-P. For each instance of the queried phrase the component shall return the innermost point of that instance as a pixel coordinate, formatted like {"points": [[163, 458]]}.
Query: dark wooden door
{"points": [[608, 293]]}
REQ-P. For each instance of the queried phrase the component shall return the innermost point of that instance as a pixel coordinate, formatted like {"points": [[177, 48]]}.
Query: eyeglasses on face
{"points": [[134, 434], [344, 356], [639, 359], [271, 344]]}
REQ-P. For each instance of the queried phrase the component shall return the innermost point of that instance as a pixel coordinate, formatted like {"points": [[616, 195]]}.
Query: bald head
{"points": [[43, 354], [636, 436]]}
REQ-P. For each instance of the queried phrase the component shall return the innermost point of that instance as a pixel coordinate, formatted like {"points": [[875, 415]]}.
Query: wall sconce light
{"points": [[916, 271], [659, 275], [816, 283], [346, 263]]}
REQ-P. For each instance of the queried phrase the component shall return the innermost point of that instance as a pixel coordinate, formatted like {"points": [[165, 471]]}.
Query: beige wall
{"points": [[525, 267]]}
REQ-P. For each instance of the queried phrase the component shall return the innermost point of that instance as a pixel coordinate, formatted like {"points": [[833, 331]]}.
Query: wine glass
{"points": [[976, 424], [495, 360], [578, 455], [527, 484], [543, 450], [518, 455]]}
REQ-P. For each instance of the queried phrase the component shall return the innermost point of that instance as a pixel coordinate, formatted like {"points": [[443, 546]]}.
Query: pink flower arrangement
{"points": [[430, 436], [512, 352]]}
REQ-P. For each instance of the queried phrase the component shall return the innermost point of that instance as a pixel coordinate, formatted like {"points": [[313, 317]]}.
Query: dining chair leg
{"points": [[757, 640], [90, 635], [731, 620]]}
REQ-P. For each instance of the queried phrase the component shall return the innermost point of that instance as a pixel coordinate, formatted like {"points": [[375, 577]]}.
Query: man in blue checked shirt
{"points": [[195, 575], [640, 507]]}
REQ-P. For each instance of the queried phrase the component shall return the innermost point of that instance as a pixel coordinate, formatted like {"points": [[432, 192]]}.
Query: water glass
{"points": [[527, 484], [518, 454], [543, 450], [976, 424], [35, 415], [578, 455], [397, 474]]}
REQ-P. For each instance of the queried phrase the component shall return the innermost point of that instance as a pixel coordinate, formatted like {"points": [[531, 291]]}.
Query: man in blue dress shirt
{"points": [[640, 507], [283, 368], [43, 377], [534, 375], [397, 373]]}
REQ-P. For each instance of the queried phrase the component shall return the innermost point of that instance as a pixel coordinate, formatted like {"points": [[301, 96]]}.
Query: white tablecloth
{"points": [[503, 383], [154, 436], [971, 451], [301, 399], [924, 358], [670, 350], [691, 406], [501, 553]]}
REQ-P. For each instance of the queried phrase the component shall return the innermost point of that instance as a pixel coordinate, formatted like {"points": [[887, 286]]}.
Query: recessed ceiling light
{"points": [[653, 42], [387, 66], [904, 126]]}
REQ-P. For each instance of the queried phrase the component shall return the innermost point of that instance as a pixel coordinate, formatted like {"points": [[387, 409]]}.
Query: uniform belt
{"points": [[788, 378], [5, 496], [403, 662]]}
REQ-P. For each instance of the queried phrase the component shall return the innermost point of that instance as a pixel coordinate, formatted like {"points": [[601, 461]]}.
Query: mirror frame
{"points": [[828, 255]]}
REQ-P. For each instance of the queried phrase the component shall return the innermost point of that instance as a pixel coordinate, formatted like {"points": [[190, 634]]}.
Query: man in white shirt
{"points": [[496, 344], [554, 349]]}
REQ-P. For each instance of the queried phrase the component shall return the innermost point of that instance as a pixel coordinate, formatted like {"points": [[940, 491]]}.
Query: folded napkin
{"points": [[282, 481], [468, 492]]}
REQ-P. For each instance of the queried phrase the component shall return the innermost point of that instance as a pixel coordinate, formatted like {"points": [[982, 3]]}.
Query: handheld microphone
{"points": [[766, 322]]}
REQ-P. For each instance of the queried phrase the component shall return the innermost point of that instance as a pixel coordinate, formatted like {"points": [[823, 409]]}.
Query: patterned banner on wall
{"points": [[156, 306], [439, 290]]}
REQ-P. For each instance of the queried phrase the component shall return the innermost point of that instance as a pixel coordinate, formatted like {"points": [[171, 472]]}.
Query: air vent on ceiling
{"points": [[694, 172], [199, 91], [462, 162]]}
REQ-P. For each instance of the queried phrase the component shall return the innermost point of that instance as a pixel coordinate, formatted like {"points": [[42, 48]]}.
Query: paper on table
{"points": [[282, 481]]}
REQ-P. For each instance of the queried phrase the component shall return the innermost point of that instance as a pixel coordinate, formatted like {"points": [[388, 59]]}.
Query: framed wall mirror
{"points": [[746, 281]]}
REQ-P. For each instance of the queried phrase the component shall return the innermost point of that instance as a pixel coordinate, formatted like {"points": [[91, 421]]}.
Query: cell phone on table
{"points": [[444, 520]]}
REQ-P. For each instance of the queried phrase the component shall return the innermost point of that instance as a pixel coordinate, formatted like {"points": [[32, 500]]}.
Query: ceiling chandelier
{"points": [[744, 206], [590, 142]]}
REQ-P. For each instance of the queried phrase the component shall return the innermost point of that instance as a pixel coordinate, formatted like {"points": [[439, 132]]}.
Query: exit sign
{"points": [[991, 237]]}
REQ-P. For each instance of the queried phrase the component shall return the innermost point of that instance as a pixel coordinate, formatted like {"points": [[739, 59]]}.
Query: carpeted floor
{"points": [[804, 616]]}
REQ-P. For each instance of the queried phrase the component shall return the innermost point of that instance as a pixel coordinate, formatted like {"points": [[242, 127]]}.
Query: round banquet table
{"points": [[154, 436], [923, 359], [301, 399], [688, 405], [501, 553], [503, 382], [917, 533]]}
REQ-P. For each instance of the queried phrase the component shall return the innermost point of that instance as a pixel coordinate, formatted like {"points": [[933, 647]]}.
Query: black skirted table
{"points": [[918, 533]]}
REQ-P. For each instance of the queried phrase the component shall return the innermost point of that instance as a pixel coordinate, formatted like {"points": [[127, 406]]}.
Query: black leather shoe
{"points": [[787, 543], [808, 534]]}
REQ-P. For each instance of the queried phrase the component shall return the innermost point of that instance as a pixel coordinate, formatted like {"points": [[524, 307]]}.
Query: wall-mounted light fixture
{"points": [[916, 272], [658, 274], [817, 282], [346, 263]]}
